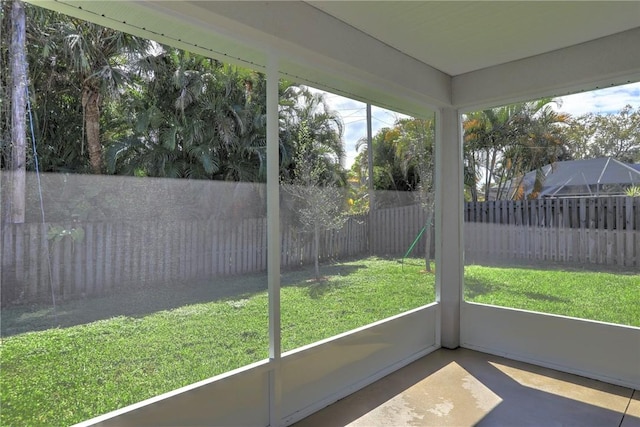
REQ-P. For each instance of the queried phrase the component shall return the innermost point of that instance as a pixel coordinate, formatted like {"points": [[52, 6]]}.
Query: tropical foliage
{"points": [[310, 133], [502, 144], [192, 117], [633, 191], [103, 101], [402, 155], [611, 135]]}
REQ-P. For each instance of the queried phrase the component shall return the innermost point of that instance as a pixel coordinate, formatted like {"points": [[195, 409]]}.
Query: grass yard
{"points": [[604, 296], [109, 352], [161, 340]]}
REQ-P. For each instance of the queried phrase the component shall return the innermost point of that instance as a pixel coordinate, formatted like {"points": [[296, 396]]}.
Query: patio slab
{"points": [[465, 388]]}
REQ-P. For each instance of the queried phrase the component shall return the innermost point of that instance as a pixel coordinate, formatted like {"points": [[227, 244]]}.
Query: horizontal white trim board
{"points": [[316, 406], [600, 63], [235, 398], [313, 377], [592, 349], [318, 375]]}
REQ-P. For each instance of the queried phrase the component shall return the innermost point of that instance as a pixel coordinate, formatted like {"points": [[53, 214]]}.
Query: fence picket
{"points": [[45, 260], [31, 280], [57, 265], [19, 257]]}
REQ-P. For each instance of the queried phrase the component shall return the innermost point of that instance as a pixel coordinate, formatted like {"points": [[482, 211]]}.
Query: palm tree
{"points": [[486, 134], [194, 118], [99, 60], [541, 141], [54, 94], [502, 143], [13, 194], [302, 108]]}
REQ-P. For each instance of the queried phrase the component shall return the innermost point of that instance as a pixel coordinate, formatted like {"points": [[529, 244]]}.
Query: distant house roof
{"points": [[589, 177]]}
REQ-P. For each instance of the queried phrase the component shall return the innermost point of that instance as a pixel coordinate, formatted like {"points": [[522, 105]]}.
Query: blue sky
{"points": [[603, 101], [354, 116]]}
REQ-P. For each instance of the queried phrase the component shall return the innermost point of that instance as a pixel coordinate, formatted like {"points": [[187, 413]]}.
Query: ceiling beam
{"points": [[315, 48], [604, 62], [321, 49]]}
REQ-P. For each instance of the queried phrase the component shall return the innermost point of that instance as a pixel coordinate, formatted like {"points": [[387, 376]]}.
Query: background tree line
{"points": [[105, 102], [500, 146]]}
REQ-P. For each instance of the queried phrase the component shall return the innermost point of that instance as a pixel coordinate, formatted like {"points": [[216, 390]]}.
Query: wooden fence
{"points": [[395, 229], [499, 243], [598, 213], [131, 255], [600, 230], [134, 255]]}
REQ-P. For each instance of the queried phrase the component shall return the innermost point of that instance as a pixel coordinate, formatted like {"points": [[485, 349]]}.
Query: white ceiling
{"points": [[457, 37], [410, 56]]}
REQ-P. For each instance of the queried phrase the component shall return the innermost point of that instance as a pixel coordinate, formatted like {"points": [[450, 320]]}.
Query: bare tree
{"points": [[414, 149], [320, 201]]}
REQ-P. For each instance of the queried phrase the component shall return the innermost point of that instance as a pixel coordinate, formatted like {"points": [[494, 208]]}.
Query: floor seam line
{"points": [[624, 414]]}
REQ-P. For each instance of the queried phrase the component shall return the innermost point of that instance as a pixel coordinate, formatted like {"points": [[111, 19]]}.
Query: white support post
{"points": [[449, 224], [372, 199], [273, 241]]}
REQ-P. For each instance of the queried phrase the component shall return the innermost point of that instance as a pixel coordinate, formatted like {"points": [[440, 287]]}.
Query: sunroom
{"points": [[437, 60]]}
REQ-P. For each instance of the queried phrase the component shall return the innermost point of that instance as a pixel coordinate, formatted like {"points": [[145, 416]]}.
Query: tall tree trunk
{"points": [[14, 205], [474, 187], [91, 104], [316, 249], [427, 243]]}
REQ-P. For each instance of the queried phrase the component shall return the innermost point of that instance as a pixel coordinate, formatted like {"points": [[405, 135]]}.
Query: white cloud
{"points": [[603, 101]]}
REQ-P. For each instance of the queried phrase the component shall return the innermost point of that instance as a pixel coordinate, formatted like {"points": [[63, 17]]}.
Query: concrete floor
{"points": [[467, 388]]}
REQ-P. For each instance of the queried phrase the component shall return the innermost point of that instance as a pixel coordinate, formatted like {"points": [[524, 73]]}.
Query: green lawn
{"points": [[113, 351], [604, 296], [60, 376]]}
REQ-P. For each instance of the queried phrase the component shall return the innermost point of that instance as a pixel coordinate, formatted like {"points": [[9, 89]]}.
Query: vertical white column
{"points": [[449, 204], [273, 240], [372, 199]]}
